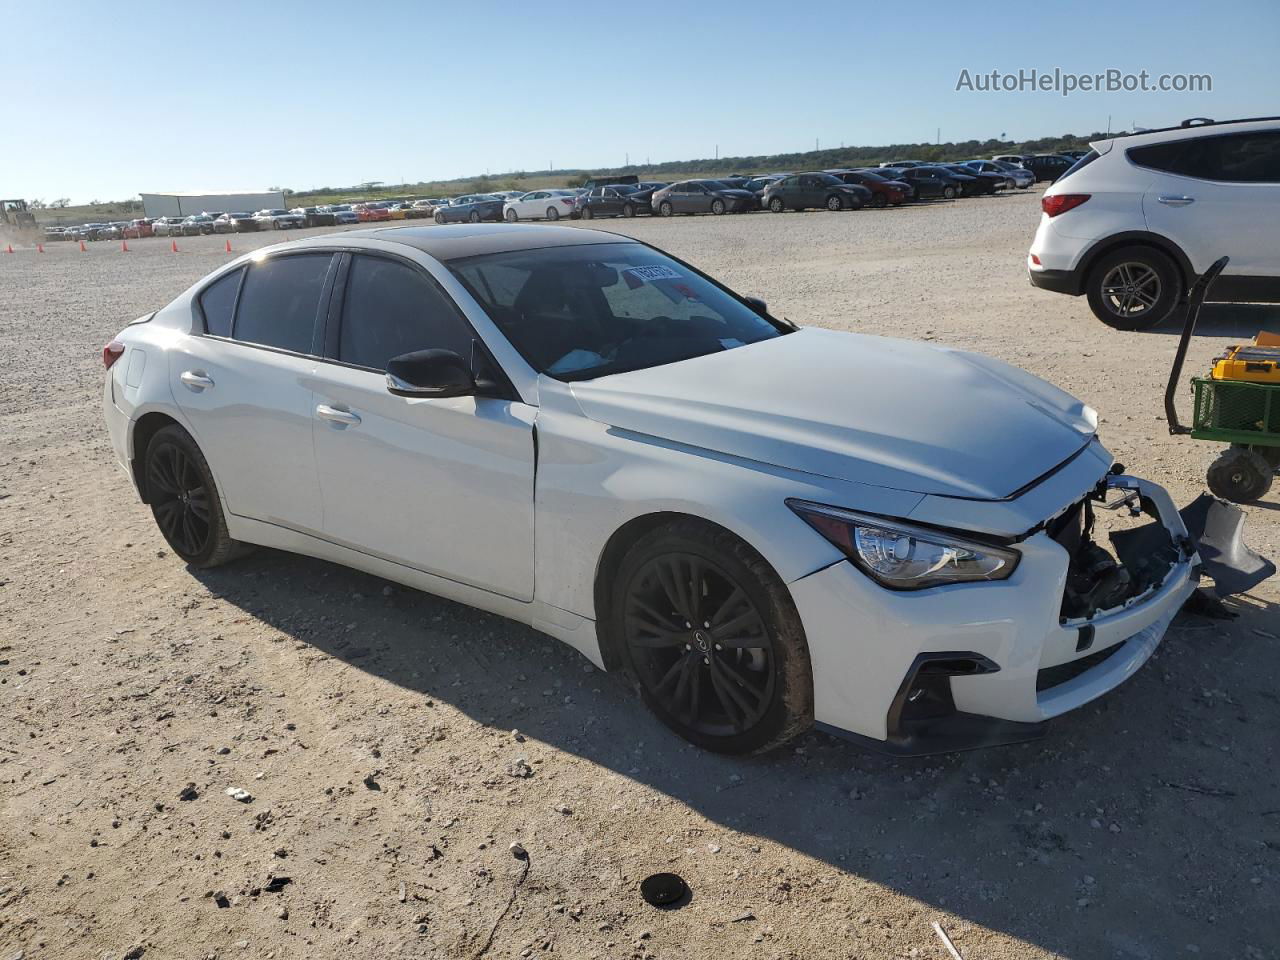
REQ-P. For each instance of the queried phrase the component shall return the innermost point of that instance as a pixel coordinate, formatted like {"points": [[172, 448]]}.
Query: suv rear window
{"points": [[1234, 157], [280, 300]]}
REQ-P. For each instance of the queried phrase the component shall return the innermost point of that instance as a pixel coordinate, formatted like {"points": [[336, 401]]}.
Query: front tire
{"points": [[439, 218], [834, 203], [1133, 288], [949, 192], [628, 211], [553, 213], [184, 500], [665, 209], [717, 207], [776, 205], [1240, 475], [712, 636], [474, 216], [511, 216], [587, 213]]}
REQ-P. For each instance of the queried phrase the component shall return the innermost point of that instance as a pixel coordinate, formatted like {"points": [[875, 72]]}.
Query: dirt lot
{"points": [[375, 727]]}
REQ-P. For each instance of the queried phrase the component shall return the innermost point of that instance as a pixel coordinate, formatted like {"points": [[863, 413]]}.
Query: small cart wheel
{"points": [[1240, 475]]}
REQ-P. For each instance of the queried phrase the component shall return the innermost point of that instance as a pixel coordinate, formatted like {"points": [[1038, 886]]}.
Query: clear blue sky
{"points": [[108, 98]]}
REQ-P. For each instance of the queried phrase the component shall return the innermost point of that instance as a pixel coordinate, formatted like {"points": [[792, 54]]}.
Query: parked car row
{"points": [[892, 183]]}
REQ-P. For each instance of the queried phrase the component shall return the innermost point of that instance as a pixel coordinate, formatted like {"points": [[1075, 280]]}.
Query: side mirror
{"points": [[758, 305], [430, 373]]}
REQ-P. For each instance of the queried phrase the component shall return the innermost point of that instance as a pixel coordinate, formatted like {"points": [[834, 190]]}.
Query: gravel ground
{"points": [[375, 728]]}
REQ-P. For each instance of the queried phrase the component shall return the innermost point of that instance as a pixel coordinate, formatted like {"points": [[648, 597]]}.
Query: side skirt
{"points": [[578, 632]]}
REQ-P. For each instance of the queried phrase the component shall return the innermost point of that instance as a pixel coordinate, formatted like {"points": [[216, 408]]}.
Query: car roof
{"points": [[456, 241]]}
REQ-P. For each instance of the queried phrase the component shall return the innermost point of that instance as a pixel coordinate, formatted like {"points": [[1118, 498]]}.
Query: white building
{"points": [[188, 204]]}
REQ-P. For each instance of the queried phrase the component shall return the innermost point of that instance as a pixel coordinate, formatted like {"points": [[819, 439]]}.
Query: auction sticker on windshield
{"points": [[652, 272]]}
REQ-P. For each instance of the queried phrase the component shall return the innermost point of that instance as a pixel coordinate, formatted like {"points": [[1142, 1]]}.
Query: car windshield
{"points": [[585, 311]]}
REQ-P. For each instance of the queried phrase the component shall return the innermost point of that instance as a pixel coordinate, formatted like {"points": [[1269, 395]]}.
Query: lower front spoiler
{"points": [[923, 719]]}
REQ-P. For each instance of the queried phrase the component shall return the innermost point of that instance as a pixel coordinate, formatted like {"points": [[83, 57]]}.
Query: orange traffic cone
{"points": [[124, 246], [10, 248], [83, 248], [228, 244], [173, 245], [39, 248]]}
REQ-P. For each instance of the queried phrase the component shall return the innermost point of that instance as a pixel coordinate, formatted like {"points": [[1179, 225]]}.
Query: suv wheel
{"points": [[1133, 288]]}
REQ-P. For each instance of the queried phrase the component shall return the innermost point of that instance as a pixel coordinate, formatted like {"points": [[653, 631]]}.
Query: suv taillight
{"points": [[112, 352], [1062, 202]]}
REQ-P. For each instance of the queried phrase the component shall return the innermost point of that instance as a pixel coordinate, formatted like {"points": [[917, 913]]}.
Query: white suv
{"points": [[1139, 217]]}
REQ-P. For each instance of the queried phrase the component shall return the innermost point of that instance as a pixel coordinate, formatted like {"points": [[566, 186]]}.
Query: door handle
{"points": [[195, 381], [1175, 201], [334, 415]]}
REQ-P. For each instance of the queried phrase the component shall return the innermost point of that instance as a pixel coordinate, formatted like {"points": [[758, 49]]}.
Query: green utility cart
{"points": [[1244, 414]]}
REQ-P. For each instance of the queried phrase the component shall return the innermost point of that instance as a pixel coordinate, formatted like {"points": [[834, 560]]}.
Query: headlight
{"points": [[903, 556]]}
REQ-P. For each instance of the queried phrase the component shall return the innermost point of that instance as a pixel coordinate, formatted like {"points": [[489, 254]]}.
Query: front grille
{"points": [[1051, 677]]}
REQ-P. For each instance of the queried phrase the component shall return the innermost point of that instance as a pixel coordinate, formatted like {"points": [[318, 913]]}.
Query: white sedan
{"points": [[541, 205], [764, 526]]}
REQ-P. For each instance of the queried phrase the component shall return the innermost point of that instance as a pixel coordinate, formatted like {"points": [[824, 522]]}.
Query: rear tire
{"points": [[474, 216], [184, 500], [713, 638], [1240, 475], [587, 213], [553, 213], [1133, 288], [511, 216]]}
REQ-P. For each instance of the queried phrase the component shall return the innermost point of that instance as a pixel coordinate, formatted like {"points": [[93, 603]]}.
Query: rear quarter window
{"points": [[218, 303]]}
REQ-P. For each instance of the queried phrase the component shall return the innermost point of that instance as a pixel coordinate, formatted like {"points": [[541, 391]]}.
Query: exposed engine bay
{"points": [[1141, 551]]}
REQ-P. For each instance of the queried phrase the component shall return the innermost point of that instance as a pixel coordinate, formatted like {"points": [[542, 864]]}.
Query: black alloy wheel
{"points": [[713, 638], [179, 499], [179, 487]]}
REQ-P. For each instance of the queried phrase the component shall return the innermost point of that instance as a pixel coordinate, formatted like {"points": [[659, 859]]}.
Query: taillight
{"points": [[112, 352], [568, 201], [1062, 202]]}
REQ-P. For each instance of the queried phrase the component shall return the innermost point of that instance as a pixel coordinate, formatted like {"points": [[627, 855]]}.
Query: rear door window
{"points": [[391, 308], [218, 303], [280, 301]]}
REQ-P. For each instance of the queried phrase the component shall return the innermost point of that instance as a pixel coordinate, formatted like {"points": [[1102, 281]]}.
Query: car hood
{"points": [[871, 410]]}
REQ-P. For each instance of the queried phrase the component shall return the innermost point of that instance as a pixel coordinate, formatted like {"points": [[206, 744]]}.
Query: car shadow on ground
{"points": [[1130, 831], [1240, 321]]}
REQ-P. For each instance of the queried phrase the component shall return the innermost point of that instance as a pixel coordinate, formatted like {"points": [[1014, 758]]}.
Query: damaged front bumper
{"points": [[977, 664]]}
